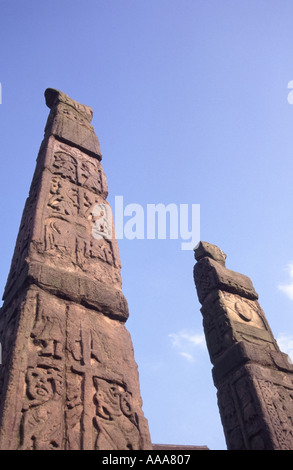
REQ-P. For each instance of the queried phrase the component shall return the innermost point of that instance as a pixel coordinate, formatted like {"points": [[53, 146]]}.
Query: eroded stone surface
{"points": [[69, 122], [205, 249], [68, 378], [253, 377]]}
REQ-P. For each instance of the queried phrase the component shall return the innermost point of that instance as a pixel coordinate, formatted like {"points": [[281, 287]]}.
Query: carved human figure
{"points": [[48, 335], [115, 420], [65, 165], [40, 427], [63, 202]]}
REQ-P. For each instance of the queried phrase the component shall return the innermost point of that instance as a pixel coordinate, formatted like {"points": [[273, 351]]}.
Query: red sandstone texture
{"points": [[68, 378]]}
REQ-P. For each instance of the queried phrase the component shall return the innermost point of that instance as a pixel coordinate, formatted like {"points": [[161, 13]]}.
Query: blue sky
{"points": [[190, 101]]}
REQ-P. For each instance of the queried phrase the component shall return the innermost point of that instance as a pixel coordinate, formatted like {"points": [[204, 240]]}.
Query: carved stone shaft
{"points": [[68, 378], [253, 377]]}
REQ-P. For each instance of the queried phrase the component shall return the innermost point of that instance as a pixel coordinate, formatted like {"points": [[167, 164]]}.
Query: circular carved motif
{"points": [[244, 311]]}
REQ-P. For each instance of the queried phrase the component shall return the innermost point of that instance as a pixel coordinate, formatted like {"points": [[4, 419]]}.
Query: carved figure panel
{"points": [[83, 359], [278, 401], [241, 415], [77, 229], [41, 428], [229, 416], [250, 412], [115, 420], [257, 410], [58, 237], [33, 337], [42, 423], [79, 168], [48, 334], [77, 245], [62, 200], [96, 372], [229, 318], [65, 165], [91, 176]]}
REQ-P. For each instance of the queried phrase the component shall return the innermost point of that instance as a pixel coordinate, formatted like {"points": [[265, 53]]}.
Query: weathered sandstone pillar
{"points": [[253, 377], [68, 378]]}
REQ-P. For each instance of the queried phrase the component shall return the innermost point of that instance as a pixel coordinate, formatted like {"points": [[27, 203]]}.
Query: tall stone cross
{"points": [[68, 378], [253, 377]]}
